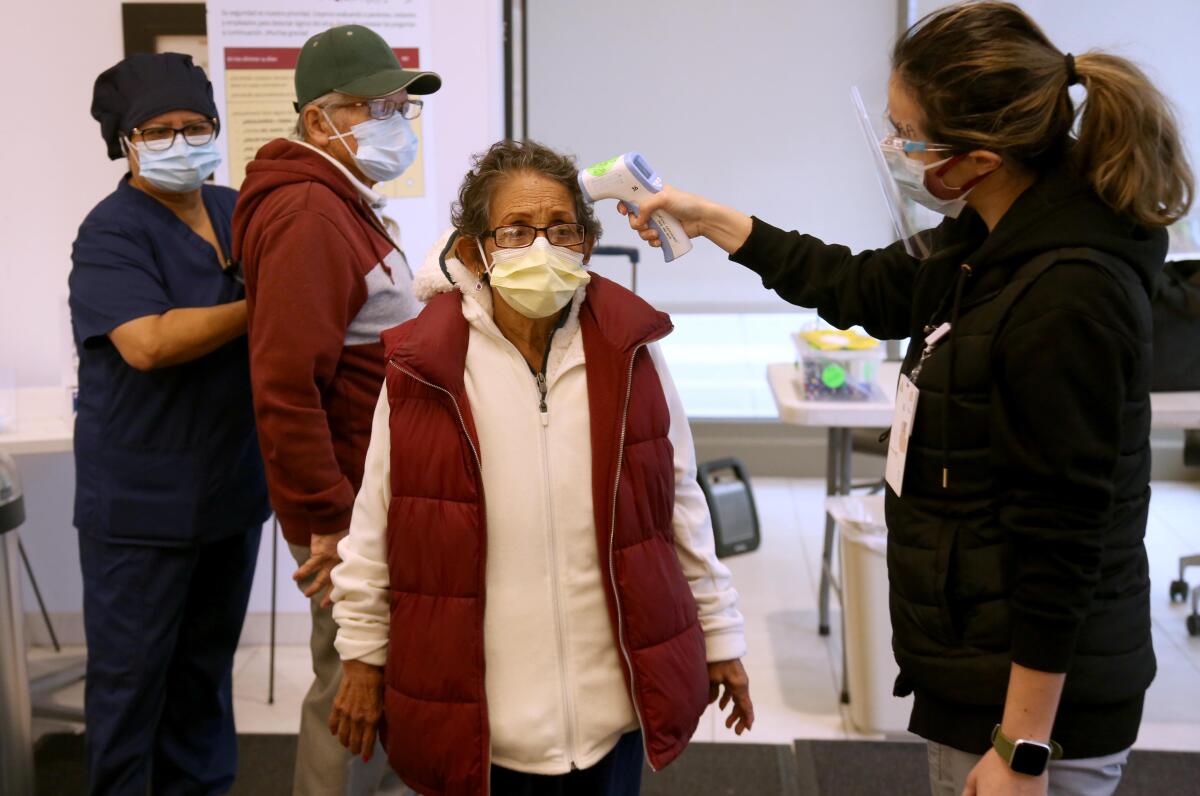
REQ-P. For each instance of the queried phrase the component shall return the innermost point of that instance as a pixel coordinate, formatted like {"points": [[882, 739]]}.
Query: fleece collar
{"points": [[443, 272]]}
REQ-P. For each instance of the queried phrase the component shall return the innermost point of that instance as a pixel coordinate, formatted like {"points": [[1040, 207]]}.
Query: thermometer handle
{"points": [[675, 242]]}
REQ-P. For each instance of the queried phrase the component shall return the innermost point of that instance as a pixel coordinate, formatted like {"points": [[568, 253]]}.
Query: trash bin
{"points": [[871, 668]]}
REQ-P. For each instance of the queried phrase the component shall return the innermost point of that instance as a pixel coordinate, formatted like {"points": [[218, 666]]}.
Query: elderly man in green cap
{"points": [[324, 276]]}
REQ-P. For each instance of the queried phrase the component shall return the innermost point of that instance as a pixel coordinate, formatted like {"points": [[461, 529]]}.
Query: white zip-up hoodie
{"points": [[556, 691]]}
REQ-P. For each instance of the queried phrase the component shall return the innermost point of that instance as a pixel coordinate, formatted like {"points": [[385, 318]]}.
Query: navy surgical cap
{"points": [[143, 86]]}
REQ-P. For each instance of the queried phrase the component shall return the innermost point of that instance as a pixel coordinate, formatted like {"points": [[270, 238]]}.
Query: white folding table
{"points": [[840, 418]]}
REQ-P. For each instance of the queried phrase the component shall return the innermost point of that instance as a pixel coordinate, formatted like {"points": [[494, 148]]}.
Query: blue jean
{"points": [[619, 773], [162, 625]]}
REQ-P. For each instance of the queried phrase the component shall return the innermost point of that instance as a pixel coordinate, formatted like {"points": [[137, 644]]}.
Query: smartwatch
{"points": [[1023, 756]]}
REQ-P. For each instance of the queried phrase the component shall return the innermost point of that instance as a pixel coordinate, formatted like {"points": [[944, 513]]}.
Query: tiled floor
{"points": [[795, 673]]}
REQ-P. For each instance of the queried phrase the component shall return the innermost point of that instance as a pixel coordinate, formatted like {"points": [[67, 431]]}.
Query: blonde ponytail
{"points": [[1128, 142]]}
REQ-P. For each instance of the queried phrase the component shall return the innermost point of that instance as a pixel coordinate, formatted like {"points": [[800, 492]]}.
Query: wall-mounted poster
{"points": [[254, 45]]}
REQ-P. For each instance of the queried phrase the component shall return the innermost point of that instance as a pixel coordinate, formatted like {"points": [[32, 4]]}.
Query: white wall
{"points": [[53, 151], [56, 170], [747, 102], [1160, 36], [55, 167]]}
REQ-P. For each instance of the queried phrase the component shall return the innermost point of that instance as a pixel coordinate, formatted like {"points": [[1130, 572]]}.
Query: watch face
{"points": [[1030, 757]]}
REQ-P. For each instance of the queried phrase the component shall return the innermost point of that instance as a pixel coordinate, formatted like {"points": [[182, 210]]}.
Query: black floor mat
{"points": [[265, 765], [810, 768], [726, 769], [858, 768], [861, 768]]}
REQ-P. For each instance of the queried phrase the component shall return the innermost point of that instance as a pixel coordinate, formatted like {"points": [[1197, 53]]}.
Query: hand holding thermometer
{"points": [[629, 177]]}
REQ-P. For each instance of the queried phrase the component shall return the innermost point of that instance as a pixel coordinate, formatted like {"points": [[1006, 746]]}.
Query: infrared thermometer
{"points": [[628, 178]]}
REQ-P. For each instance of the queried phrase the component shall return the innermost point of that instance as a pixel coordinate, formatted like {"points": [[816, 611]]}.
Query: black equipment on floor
{"points": [[726, 487]]}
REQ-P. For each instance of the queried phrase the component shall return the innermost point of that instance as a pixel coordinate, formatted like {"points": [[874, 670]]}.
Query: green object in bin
{"points": [[833, 376]]}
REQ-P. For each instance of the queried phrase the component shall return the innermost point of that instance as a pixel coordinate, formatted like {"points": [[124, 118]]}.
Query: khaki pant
{"points": [[322, 763], [323, 766]]}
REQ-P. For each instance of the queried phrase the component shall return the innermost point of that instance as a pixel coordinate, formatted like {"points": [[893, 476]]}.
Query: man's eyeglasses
{"points": [[518, 236], [160, 139], [383, 108]]}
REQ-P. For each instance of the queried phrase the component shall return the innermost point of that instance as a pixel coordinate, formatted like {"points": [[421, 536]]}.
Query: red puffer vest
{"points": [[436, 726]]}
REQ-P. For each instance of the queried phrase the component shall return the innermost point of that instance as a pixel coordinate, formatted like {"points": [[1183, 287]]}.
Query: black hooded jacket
{"points": [[1019, 536]]}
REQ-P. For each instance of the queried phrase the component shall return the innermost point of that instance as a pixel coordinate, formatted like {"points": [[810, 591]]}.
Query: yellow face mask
{"points": [[537, 280]]}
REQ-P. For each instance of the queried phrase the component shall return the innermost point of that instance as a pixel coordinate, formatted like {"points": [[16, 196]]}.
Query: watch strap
{"points": [[1004, 746]]}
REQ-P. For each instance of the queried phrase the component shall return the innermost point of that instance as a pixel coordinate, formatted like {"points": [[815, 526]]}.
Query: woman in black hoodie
{"points": [[1019, 583]]}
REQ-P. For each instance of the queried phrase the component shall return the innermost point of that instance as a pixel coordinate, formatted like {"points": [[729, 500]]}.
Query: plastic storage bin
{"points": [[871, 668], [838, 366]]}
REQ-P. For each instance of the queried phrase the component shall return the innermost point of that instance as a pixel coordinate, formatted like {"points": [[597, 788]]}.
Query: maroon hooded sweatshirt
{"points": [[323, 280]]}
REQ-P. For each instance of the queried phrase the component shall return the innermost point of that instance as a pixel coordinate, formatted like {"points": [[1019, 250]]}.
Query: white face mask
{"points": [[912, 177], [386, 147], [537, 280]]}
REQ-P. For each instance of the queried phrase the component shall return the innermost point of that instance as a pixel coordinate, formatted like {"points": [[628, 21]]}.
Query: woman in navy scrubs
{"points": [[170, 494]]}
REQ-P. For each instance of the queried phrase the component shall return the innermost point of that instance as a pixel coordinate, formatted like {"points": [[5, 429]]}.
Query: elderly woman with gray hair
{"points": [[529, 595]]}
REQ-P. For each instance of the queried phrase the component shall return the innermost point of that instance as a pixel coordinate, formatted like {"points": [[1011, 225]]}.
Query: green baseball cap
{"points": [[354, 60]]}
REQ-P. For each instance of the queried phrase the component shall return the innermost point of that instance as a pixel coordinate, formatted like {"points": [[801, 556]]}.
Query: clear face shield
{"points": [[903, 177]]}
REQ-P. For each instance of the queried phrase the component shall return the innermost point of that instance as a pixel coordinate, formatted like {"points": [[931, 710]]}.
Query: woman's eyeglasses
{"points": [[160, 139], [518, 236], [906, 146]]}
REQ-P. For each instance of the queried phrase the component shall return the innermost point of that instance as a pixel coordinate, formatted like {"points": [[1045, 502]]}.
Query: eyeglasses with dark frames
{"points": [[518, 236], [162, 138]]}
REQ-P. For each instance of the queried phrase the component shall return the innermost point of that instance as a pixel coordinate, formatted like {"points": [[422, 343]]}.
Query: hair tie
{"points": [[1072, 75]]}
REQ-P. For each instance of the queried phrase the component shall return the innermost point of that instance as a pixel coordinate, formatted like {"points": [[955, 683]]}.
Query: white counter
{"points": [[42, 423]]}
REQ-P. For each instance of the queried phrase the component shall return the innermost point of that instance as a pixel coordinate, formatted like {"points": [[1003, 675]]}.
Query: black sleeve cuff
{"points": [[764, 249], [1043, 646]]}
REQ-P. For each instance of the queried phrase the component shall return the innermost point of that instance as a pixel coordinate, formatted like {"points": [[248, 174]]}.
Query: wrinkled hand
{"points": [[992, 777], [732, 676], [358, 707], [687, 207], [323, 557]]}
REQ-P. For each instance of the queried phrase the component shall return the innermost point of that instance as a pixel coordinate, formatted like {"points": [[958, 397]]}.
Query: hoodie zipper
{"points": [[930, 344], [560, 616], [612, 535], [964, 273], [487, 768]]}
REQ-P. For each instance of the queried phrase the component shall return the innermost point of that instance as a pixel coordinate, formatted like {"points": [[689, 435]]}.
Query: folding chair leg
{"points": [[37, 592]]}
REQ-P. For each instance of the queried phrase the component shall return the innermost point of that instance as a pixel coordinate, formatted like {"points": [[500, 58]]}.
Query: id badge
{"points": [[902, 422]]}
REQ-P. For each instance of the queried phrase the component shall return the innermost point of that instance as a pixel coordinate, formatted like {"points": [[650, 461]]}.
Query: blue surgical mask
{"points": [[179, 169], [386, 147]]}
